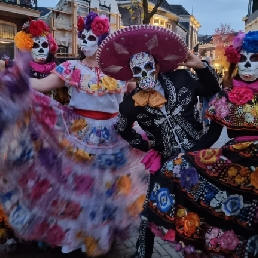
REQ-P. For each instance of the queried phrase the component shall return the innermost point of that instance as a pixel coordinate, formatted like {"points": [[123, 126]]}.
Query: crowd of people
{"points": [[123, 148]]}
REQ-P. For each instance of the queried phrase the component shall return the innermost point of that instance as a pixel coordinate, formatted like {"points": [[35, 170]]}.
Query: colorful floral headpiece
{"points": [[98, 24], [32, 29], [247, 42]]}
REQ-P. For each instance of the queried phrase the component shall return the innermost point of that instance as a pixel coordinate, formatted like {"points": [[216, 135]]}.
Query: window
{"points": [[168, 26], [156, 22], [7, 34]]}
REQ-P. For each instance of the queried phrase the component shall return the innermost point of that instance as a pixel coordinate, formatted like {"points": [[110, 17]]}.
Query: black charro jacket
{"points": [[179, 129]]}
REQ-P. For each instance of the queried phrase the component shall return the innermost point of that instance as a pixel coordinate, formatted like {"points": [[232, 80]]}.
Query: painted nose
{"points": [[41, 50], [85, 41], [247, 65], [144, 74]]}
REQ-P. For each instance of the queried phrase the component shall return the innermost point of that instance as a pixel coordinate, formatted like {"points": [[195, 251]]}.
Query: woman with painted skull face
{"points": [[35, 37], [215, 210], [72, 181]]}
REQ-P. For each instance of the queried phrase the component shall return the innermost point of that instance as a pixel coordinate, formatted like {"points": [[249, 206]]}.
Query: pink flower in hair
{"points": [[52, 44], [238, 41], [100, 25]]}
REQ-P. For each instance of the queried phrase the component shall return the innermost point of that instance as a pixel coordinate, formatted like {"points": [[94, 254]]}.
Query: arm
{"points": [[48, 83], [125, 121], [207, 81], [208, 139]]}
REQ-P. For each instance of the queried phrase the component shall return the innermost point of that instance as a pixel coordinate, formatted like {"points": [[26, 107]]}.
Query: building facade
{"points": [[132, 14], [251, 20], [13, 14], [63, 21]]}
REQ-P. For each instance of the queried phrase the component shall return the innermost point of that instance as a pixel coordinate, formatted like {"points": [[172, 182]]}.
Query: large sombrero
{"points": [[116, 50]]}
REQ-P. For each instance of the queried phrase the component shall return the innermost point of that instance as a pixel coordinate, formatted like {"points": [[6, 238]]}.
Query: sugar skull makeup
{"points": [[143, 68], [89, 43], [40, 49], [248, 66]]}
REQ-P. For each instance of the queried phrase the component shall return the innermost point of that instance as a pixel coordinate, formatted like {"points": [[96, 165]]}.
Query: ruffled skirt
{"points": [[64, 179], [207, 201]]}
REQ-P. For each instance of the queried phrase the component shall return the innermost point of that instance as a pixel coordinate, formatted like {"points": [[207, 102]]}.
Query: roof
{"points": [[179, 9], [44, 10]]}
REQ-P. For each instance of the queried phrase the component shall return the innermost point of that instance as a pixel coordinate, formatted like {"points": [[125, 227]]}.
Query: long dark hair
{"points": [[229, 75]]}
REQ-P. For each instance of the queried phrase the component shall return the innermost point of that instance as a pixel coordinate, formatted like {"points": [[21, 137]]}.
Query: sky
{"points": [[210, 13]]}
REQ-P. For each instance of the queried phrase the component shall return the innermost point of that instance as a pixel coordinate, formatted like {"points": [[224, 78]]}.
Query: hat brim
{"points": [[116, 50]]}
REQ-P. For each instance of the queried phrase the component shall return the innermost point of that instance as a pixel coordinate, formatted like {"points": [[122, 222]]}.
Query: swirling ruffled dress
{"points": [[66, 176], [207, 200]]}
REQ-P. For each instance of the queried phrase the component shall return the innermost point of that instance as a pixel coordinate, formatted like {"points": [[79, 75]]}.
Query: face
{"points": [[89, 43], [248, 66], [40, 49], [143, 68]]}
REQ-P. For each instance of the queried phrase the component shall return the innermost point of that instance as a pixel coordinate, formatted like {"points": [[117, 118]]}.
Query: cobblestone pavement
{"points": [[120, 249]]}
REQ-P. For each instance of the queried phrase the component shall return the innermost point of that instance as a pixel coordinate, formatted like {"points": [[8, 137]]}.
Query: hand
{"points": [[192, 61]]}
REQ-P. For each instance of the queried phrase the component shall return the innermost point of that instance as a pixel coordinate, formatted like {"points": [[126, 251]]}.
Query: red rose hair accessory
{"points": [[80, 24], [232, 55], [100, 25], [52, 44], [37, 28], [32, 29]]}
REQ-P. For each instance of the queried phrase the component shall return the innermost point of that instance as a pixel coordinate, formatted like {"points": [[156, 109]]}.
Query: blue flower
{"points": [[60, 69], [170, 166], [120, 159], [252, 245], [105, 133], [164, 200], [232, 205], [210, 193], [250, 43], [189, 178], [109, 213], [19, 217], [153, 196]]}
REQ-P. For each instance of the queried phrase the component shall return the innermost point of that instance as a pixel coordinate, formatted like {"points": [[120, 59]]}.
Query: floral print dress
{"points": [[206, 200], [66, 179]]}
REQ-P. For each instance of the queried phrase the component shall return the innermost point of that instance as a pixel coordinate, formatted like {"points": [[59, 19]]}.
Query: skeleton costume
{"points": [[206, 201], [36, 38], [163, 108], [66, 177]]}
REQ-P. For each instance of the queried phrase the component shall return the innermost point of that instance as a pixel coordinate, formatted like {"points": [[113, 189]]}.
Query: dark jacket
{"points": [[177, 130]]}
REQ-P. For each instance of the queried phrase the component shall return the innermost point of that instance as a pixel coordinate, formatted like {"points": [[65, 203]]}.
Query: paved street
{"points": [[120, 250]]}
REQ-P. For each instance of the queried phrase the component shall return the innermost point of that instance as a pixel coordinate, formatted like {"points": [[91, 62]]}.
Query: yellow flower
{"points": [[91, 245], [109, 83], [240, 179], [232, 171], [78, 125], [181, 213], [241, 145], [124, 184], [81, 155], [247, 108], [94, 87], [23, 41], [209, 156]]}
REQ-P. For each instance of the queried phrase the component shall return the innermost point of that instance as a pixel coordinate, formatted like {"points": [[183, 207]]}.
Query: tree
{"points": [[148, 15], [145, 15], [222, 38]]}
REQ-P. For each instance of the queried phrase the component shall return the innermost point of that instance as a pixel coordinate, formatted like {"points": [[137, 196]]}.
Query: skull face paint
{"points": [[248, 66], [40, 49], [89, 43], [143, 68]]}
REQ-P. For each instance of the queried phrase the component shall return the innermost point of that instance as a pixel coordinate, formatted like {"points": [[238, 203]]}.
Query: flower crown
{"points": [[98, 24], [31, 29], [247, 42]]}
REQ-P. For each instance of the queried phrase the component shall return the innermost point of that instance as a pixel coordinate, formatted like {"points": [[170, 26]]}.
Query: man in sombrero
{"points": [[163, 104]]}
